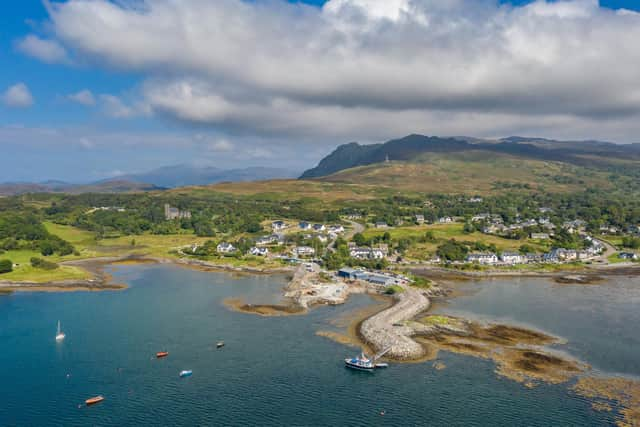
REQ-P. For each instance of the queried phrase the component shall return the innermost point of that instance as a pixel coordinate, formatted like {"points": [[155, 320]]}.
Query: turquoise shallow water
{"points": [[272, 371]]}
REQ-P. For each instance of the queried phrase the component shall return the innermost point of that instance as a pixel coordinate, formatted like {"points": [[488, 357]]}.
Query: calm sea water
{"points": [[272, 371], [599, 322]]}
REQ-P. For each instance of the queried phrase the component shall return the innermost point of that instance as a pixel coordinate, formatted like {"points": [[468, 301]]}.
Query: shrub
{"points": [[43, 264], [6, 266], [394, 289]]}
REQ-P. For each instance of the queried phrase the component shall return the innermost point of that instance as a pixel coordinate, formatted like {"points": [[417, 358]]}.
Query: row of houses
{"points": [[496, 226], [307, 226], [367, 253], [554, 256]]}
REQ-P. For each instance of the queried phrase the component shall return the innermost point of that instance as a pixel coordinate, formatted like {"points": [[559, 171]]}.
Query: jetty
{"points": [[385, 330]]}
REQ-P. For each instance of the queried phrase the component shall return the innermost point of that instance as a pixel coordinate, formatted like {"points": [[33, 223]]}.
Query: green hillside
{"points": [[474, 172]]}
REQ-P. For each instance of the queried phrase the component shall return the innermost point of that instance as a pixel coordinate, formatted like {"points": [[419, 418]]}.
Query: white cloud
{"points": [[49, 51], [84, 97], [220, 146], [18, 96], [368, 68], [114, 107]]}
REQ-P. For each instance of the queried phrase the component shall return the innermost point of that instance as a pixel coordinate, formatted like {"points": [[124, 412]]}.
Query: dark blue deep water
{"points": [[272, 371]]}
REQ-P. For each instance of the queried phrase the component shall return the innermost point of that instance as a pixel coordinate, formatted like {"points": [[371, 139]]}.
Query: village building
{"points": [[540, 236], [512, 258], [366, 253], [381, 224], [225, 248], [171, 213], [629, 256], [255, 251], [278, 225], [321, 237], [303, 251], [337, 229], [420, 219], [270, 240], [488, 258], [319, 227], [445, 220], [303, 225]]}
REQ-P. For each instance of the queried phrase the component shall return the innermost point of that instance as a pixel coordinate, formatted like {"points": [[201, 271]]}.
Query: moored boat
{"points": [[161, 354], [94, 400], [220, 344], [361, 363], [59, 335], [364, 363], [186, 373]]}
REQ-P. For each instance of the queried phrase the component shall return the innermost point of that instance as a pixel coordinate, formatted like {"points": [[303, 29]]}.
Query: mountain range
{"points": [[580, 153], [156, 179]]}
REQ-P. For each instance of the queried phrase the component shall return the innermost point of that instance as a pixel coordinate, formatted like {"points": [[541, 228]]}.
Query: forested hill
{"points": [[596, 154]]}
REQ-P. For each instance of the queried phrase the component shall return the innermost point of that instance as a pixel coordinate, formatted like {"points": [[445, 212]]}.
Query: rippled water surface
{"points": [[272, 371], [600, 322]]}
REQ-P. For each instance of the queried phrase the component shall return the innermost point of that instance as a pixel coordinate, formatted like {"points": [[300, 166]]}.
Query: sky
{"points": [[92, 89]]}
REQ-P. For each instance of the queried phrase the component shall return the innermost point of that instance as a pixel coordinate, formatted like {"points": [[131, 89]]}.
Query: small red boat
{"points": [[161, 354], [94, 400]]}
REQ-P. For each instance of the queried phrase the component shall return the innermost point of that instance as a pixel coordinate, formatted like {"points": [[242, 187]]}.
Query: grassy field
{"points": [[87, 246], [283, 190]]}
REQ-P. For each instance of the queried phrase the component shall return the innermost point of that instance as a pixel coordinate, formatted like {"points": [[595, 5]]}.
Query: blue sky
{"points": [[137, 120]]}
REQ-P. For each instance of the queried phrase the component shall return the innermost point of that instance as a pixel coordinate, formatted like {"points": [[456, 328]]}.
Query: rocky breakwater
{"points": [[387, 329]]}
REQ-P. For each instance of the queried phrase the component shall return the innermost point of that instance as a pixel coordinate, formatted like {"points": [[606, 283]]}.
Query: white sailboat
{"points": [[60, 335]]}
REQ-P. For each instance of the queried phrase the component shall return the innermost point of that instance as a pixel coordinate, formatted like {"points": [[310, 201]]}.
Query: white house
{"points": [[420, 219], [225, 248], [483, 258], [269, 240], [445, 220], [337, 229], [301, 251], [278, 225], [512, 258], [367, 253], [381, 224], [304, 225], [255, 251], [319, 227], [540, 236]]}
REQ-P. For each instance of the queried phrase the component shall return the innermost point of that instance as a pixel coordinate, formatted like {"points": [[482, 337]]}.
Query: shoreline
{"points": [[102, 281]]}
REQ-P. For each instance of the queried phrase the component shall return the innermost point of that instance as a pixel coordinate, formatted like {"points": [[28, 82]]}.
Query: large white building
{"points": [[483, 258]]}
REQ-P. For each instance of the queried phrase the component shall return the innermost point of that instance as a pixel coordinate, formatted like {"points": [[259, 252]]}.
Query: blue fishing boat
{"points": [[361, 363], [364, 363], [187, 373]]}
